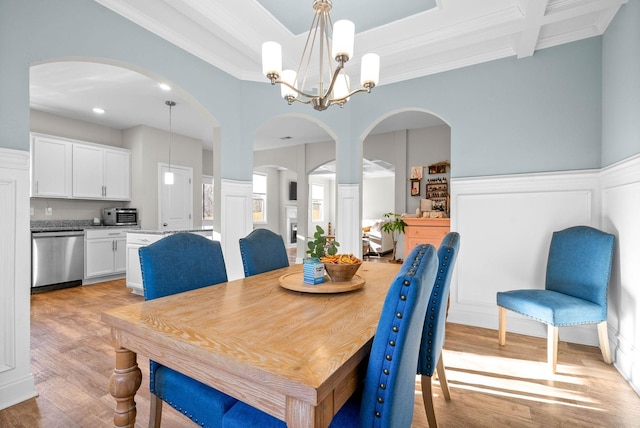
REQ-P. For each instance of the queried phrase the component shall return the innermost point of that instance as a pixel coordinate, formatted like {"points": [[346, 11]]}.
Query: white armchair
{"points": [[379, 242]]}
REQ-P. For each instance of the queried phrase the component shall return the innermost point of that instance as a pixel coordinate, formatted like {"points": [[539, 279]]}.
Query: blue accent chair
{"points": [[577, 278], [182, 262], [430, 359], [262, 250], [387, 396]]}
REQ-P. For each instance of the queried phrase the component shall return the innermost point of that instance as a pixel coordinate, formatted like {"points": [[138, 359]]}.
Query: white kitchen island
{"points": [[142, 238]]}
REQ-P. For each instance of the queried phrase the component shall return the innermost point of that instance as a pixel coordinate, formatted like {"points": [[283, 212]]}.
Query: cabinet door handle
{"points": [[115, 245], [105, 191]]}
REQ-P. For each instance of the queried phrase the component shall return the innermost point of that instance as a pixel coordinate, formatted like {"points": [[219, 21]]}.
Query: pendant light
{"points": [[168, 176]]}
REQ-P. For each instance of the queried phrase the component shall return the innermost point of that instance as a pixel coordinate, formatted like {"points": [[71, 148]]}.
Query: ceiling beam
{"points": [[526, 41]]}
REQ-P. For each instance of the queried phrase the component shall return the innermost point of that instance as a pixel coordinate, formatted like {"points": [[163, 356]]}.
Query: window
{"points": [[317, 202], [207, 198], [259, 198]]}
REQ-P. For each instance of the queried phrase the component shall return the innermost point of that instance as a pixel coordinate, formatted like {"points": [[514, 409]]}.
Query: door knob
{"points": [[165, 224]]}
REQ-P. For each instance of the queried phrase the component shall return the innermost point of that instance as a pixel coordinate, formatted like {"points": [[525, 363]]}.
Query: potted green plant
{"points": [[393, 225], [320, 246]]}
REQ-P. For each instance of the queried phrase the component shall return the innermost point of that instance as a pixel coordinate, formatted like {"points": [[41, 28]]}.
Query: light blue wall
{"points": [[33, 31], [621, 85], [510, 116], [542, 113]]}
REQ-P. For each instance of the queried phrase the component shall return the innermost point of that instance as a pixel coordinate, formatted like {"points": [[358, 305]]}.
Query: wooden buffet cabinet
{"points": [[424, 231]]}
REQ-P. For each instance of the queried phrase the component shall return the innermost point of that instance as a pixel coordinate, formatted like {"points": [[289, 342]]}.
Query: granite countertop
{"points": [[67, 225], [167, 232]]}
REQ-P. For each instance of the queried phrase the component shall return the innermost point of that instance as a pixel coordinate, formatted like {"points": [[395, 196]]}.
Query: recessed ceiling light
{"points": [[98, 110], [164, 86]]}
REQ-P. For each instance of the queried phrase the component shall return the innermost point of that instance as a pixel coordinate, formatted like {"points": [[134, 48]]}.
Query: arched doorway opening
{"points": [[287, 149], [64, 95], [409, 141]]}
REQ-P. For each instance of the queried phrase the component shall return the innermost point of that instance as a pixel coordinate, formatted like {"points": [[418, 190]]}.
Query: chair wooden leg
{"points": [[442, 378], [155, 415], [427, 399], [502, 328], [603, 337], [552, 347]]}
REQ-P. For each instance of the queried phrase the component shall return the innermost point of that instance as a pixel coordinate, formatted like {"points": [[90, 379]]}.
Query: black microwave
{"points": [[120, 216]]}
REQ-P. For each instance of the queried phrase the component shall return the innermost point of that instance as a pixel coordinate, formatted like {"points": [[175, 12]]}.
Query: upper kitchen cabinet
{"points": [[101, 173], [51, 161], [64, 168]]}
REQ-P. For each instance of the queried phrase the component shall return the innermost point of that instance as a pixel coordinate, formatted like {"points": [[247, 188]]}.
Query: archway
{"points": [[409, 140], [63, 93], [287, 149]]}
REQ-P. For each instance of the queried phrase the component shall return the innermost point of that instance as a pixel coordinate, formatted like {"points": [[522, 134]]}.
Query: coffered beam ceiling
{"points": [[444, 35]]}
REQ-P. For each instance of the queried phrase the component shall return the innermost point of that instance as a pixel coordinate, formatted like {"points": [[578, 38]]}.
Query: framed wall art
{"points": [[415, 187], [416, 173]]}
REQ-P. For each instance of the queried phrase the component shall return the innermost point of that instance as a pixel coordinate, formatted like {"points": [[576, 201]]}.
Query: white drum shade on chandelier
{"points": [[334, 85]]}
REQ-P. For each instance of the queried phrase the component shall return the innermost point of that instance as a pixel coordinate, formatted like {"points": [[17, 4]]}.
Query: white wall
{"points": [[620, 185], [377, 197], [150, 146], [60, 126], [16, 380]]}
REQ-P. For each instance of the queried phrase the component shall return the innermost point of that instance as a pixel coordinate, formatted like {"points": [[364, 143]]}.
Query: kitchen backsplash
{"points": [[63, 209]]}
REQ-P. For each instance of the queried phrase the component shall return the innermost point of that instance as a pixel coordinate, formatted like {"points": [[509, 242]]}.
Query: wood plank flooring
{"points": [[72, 359]]}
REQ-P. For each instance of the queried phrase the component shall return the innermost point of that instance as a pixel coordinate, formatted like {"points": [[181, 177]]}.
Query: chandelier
{"points": [[338, 46]]}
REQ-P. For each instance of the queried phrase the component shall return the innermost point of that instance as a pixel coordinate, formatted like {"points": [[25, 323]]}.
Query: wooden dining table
{"points": [[295, 355]]}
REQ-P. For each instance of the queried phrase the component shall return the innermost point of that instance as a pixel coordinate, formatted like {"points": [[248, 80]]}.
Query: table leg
{"points": [[123, 384], [303, 415]]}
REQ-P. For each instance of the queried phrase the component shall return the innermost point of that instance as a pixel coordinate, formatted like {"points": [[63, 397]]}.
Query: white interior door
{"points": [[175, 201]]}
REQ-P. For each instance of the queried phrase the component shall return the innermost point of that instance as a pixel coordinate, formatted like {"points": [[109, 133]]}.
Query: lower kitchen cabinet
{"points": [[134, 274], [135, 240], [105, 252]]}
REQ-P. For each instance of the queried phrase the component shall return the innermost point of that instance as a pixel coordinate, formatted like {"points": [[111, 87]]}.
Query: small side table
{"points": [[365, 247]]}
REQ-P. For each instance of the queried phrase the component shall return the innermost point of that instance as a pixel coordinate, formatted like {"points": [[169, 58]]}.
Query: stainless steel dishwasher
{"points": [[57, 259]]}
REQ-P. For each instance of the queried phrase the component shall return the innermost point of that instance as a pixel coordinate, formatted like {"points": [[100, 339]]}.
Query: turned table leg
{"points": [[123, 384]]}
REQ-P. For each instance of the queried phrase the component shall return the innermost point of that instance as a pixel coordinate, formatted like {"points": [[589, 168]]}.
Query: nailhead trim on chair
{"points": [[433, 306], [395, 329]]}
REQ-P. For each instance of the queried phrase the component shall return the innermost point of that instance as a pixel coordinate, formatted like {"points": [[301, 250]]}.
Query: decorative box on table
{"points": [[313, 271]]}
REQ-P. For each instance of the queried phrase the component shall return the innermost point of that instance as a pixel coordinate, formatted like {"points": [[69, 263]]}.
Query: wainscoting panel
{"points": [[236, 222], [348, 229], [620, 207], [505, 225], [16, 380]]}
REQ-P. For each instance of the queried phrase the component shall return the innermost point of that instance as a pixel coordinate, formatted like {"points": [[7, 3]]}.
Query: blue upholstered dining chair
{"points": [[262, 250], [387, 396], [430, 358], [577, 278], [182, 262]]}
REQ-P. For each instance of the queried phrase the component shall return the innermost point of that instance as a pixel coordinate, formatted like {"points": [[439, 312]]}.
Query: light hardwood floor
{"points": [[72, 359]]}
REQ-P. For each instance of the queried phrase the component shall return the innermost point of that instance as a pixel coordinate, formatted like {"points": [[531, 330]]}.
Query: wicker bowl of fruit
{"points": [[341, 267]]}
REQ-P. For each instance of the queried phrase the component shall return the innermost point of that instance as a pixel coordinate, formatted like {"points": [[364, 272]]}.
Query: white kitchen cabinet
{"points": [[136, 240], [65, 168], [51, 170], [105, 252], [101, 173], [134, 273]]}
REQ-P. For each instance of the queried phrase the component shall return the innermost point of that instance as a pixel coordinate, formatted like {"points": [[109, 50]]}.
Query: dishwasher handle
{"points": [[60, 233]]}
